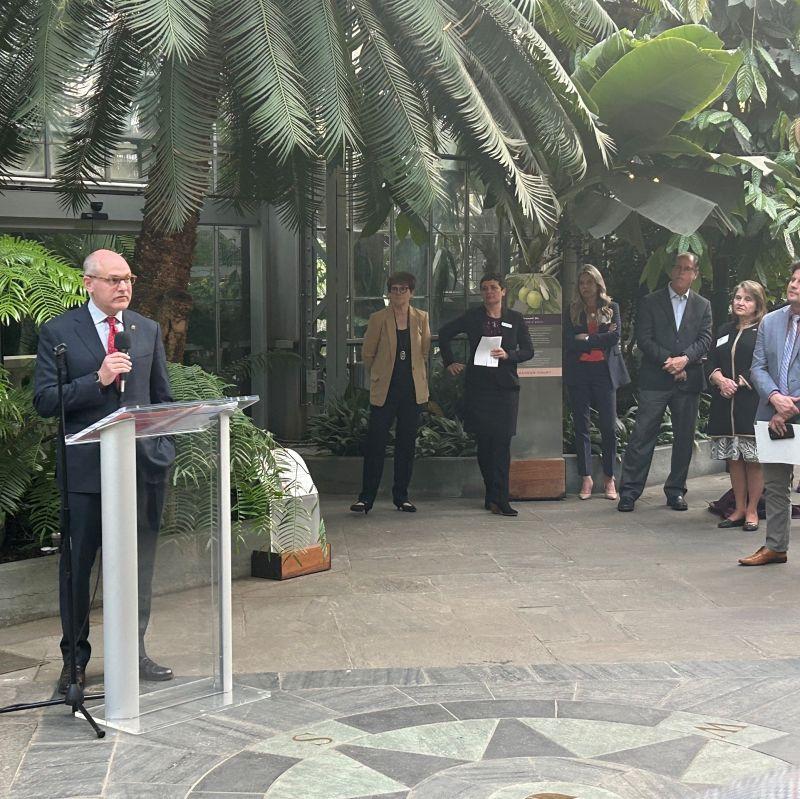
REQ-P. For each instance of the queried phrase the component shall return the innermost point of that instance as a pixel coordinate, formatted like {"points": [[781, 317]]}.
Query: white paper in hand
{"points": [[785, 450], [483, 354]]}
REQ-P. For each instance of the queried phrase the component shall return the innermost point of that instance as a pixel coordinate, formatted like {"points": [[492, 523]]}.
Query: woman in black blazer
{"points": [[491, 392], [734, 403], [593, 371]]}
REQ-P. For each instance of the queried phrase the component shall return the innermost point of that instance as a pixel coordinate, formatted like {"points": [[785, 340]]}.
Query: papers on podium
{"points": [[787, 450], [483, 354]]}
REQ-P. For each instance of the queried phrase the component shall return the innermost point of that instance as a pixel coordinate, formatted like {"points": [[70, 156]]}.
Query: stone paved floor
{"points": [[574, 652]]}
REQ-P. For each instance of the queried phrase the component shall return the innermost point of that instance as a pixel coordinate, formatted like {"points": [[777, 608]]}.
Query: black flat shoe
{"points": [[750, 527], [502, 509], [406, 507], [728, 523], [361, 507]]}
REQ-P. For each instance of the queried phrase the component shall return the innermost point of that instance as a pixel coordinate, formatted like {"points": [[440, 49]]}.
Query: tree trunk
{"points": [[163, 262]]}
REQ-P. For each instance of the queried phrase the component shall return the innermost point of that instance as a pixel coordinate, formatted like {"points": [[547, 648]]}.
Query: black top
{"points": [[516, 342], [402, 379], [603, 339], [732, 354]]}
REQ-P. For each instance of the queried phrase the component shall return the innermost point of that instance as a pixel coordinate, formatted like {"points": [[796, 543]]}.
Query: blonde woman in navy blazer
{"points": [[593, 371]]}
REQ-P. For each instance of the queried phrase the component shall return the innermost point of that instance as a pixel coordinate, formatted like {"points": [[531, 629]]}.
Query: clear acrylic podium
{"points": [[202, 628]]}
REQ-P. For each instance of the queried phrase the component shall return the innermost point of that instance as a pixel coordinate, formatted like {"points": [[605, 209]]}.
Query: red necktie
{"points": [[112, 334]]}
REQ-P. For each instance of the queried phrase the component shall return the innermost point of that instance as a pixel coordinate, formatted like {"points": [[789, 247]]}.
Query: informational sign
{"points": [[538, 298]]}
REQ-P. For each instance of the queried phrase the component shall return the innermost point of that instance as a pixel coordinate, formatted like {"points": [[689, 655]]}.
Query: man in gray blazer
{"points": [[91, 391], [673, 331], [775, 374]]}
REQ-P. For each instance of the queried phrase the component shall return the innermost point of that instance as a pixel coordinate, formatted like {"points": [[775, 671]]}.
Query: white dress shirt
{"points": [[101, 325], [679, 302]]}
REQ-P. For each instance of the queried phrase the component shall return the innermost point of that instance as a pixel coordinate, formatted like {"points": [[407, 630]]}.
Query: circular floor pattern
{"points": [[504, 749]]}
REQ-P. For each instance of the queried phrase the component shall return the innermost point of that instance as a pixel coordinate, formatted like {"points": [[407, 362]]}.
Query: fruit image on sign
{"points": [[533, 293]]}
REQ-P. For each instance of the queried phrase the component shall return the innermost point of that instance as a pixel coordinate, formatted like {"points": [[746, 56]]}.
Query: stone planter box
{"points": [[29, 588], [460, 477]]}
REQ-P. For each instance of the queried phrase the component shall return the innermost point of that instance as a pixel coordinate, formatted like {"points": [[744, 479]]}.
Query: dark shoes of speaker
{"points": [[151, 671], [64, 679]]}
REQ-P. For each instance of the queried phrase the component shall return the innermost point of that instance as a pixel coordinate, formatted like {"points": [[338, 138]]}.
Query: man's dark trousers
{"points": [[683, 406], [85, 530]]}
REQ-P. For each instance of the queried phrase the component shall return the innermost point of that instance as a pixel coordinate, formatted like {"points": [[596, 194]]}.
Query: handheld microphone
{"points": [[122, 341]]}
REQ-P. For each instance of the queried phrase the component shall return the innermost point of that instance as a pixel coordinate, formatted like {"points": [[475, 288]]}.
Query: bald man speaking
{"points": [[94, 368]]}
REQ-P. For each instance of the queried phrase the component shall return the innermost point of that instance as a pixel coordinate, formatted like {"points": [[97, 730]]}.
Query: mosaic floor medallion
{"points": [[504, 749]]}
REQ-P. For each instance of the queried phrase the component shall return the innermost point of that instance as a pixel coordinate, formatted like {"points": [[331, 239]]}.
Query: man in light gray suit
{"points": [[775, 373]]}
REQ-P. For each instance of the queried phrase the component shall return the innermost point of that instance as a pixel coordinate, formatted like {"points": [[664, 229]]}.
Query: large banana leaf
{"points": [[654, 86]]}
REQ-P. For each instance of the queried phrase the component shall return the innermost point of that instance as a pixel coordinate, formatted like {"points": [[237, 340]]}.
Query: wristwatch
{"points": [[97, 378]]}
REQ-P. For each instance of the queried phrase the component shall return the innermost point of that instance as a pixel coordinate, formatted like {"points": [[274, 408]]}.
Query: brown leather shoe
{"points": [[762, 557]]}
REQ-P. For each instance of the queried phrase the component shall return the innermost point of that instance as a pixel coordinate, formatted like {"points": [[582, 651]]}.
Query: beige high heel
{"points": [[583, 493], [611, 491]]}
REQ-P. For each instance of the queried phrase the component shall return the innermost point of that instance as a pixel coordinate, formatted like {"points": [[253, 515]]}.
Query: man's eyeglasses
{"points": [[399, 289], [115, 281]]}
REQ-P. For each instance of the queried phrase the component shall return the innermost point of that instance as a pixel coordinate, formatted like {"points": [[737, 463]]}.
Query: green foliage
{"points": [[342, 427], [255, 473], [29, 502], [289, 85], [439, 437], [35, 283]]}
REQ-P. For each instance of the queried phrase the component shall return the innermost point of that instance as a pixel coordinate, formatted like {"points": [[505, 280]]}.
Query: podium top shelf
{"points": [[165, 419]]}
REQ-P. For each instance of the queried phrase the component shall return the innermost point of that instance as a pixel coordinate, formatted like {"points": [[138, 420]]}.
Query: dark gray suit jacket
{"points": [[86, 401], [658, 340]]}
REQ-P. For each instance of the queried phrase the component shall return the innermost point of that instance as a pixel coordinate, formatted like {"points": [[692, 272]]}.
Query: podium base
{"points": [[271, 566], [165, 707]]}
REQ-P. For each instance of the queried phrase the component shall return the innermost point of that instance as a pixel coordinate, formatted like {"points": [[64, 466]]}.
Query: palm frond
{"points": [[176, 28], [432, 36], [94, 135], [544, 121], [18, 131], [549, 68], [183, 121], [65, 40], [575, 22], [325, 62], [262, 56], [396, 123]]}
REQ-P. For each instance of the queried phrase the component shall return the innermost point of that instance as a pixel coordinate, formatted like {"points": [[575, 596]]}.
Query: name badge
{"points": [[506, 324], [723, 340]]}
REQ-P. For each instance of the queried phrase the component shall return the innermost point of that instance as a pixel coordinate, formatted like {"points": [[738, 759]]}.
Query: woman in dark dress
{"points": [[593, 371], [491, 392], [734, 402]]}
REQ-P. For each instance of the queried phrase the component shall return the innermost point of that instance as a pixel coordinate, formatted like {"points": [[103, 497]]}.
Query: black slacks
{"points": [[494, 460], [593, 389], [683, 406], [402, 406], [86, 535]]}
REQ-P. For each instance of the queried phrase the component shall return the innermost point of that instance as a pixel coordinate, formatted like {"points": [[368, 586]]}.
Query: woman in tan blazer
{"points": [[395, 350]]}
